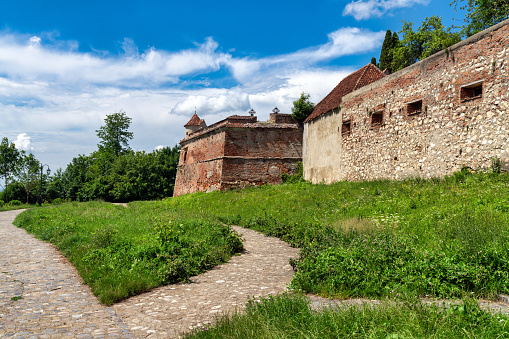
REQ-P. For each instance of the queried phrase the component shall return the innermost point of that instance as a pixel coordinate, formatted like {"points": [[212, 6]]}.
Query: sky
{"points": [[65, 65]]}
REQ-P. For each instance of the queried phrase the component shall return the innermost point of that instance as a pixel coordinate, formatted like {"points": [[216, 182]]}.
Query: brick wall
{"points": [[236, 155]]}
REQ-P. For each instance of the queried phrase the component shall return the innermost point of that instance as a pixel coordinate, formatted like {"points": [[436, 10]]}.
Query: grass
{"points": [[442, 238], [291, 317], [120, 252]]}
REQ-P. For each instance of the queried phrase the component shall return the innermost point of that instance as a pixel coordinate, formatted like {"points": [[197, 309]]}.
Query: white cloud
{"points": [[35, 41], [159, 147], [228, 102], [344, 41], [365, 9], [23, 142], [58, 97]]}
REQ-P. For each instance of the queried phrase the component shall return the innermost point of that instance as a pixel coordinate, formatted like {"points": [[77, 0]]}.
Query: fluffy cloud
{"points": [[35, 61], [23, 142], [53, 97], [365, 9], [344, 41], [227, 102]]}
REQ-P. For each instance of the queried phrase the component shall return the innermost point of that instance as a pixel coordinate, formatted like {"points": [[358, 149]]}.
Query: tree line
{"points": [[113, 172], [432, 36]]}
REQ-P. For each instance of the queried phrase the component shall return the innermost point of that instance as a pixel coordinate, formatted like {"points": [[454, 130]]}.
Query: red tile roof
{"points": [[195, 121], [360, 78]]}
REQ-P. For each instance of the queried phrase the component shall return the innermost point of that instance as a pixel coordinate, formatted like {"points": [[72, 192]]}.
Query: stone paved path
{"points": [[41, 295], [167, 311]]}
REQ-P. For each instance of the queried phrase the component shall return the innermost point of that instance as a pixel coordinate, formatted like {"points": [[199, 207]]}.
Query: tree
{"points": [[482, 14], [391, 41], [302, 108], [373, 61], [9, 156], [114, 134], [429, 39], [28, 170]]}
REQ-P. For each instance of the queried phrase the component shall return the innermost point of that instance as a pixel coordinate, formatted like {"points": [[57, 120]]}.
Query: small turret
{"points": [[194, 124]]}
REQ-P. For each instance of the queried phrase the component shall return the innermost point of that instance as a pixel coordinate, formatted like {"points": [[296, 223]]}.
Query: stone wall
{"points": [[200, 164], [463, 120], [238, 154]]}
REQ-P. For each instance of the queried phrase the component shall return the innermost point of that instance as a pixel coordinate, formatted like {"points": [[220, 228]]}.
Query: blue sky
{"points": [[65, 65]]}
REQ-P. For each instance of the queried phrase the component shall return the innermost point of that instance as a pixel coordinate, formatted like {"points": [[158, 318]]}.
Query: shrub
{"points": [[14, 203]]}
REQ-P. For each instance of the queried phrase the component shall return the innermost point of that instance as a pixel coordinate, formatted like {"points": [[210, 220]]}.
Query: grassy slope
{"points": [[121, 252], [443, 238]]}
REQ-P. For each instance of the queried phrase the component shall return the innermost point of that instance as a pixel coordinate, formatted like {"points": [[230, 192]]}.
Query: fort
{"points": [[432, 118], [236, 152]]}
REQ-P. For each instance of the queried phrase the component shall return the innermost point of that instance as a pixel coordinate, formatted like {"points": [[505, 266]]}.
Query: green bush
{"points": [[14, 203], [1, 203]]}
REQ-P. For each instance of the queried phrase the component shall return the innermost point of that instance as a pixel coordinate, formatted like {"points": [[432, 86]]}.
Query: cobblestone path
{"points": [[165, 312], [41, 294]]}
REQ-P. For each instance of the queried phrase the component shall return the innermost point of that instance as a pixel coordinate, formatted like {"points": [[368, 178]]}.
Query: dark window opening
{"points": [[414, 107], [184, 156], [377, 119], [471, 92], [346, 127]]}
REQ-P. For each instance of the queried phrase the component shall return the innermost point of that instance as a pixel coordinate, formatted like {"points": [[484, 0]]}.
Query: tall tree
{"points": [[482, 14], [28, 170], [386, 52], [302, 107], [9, 156], [114, 134], [430, 38]]}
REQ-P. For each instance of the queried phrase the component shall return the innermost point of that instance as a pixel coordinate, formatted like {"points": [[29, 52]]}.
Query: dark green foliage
{"points": [[388, 46], [120, 252], [287, 316], [302, 108], [294, 178], [430, 38], [114, 134], [373, 61], [127, 177], [9, 156], [482, 14]]}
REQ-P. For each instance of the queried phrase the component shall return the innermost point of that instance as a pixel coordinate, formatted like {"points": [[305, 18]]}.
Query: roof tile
{"points": [[360, 78]]}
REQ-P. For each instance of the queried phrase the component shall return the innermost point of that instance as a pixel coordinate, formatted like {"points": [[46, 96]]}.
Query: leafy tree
{"points": [[28, 170], [429, 39], [391, 41], [482, 14], [302, 108], [114, 134], [9, 156], [373, 61]]}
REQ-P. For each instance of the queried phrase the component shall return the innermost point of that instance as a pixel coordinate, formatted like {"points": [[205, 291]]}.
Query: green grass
{"points": [[291, 317], [442, 238], [120, 252]]}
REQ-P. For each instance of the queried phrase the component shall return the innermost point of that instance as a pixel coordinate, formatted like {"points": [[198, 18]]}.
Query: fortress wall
{"points": [[449, 132], [200, 164], [455, 127]]}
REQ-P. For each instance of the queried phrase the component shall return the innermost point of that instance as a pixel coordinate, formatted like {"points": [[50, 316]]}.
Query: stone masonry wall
{"points": [[200, 164], [238, 156], [448, 133]]}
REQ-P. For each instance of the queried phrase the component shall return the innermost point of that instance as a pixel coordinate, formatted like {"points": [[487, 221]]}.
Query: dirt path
{"points": [[167, 311]]}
